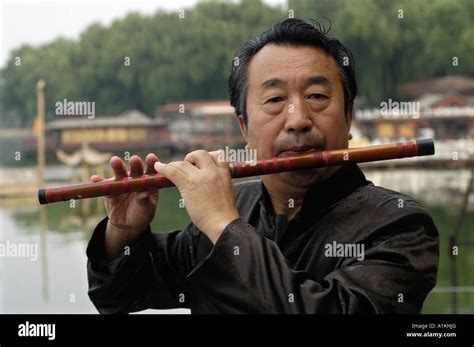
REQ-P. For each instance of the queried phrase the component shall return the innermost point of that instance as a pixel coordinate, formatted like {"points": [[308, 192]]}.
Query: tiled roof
{"points": [[127, 118]]}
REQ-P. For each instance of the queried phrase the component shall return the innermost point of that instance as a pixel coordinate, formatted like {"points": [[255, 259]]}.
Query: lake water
{"points": [[56, 281]]}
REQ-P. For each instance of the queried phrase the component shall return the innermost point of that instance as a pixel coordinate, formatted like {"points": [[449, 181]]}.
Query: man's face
{"points": [[295, 103]]}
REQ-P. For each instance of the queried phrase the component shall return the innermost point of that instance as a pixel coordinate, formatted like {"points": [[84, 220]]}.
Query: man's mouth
{"points": [[295, 150]]}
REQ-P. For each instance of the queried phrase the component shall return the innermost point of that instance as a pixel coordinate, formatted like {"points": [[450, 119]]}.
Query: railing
{"points": [[424, 113]]}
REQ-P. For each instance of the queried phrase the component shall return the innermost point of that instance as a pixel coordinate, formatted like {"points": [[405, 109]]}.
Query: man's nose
{"points": [[298, 118]]}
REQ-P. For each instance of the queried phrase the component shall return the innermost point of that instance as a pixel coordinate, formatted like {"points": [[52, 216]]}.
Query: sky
{"points": [[36, 22]]}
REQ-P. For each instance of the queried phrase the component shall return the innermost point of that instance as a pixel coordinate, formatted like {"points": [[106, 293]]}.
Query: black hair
{"points": [[293, 32]]}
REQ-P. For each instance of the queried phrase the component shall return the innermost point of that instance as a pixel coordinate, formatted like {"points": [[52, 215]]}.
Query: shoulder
{"points": [[382, 206]]}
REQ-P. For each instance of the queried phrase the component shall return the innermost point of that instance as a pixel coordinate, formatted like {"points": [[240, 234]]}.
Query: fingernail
{"points": [[157, 165]]}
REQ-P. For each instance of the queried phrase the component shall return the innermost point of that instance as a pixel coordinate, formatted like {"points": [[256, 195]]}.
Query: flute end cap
{"points": [[42, 196], [425, 147]]}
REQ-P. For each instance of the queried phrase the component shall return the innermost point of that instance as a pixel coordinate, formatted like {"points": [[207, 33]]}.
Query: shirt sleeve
{"points": [[247, 273], [147, 274]]}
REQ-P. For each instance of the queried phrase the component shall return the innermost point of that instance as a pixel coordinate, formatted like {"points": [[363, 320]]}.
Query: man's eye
{"points": [[318, 96], [275, 99]]}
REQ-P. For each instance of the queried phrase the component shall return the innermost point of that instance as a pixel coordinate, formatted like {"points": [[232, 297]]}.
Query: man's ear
{"points": [[349, 114], [243, 127]]}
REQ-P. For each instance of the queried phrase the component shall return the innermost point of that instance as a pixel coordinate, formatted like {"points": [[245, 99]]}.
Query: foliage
{"points": [[175, 59]]}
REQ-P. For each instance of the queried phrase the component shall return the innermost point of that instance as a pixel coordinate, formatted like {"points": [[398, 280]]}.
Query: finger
{"points": [[150, 160], [177, 171], [118, 167], [145, 199], [153, 198], [200, 158], [136, 166], [95, 178], [219, 158], [142, 196], [154, 192], [147, 194]]}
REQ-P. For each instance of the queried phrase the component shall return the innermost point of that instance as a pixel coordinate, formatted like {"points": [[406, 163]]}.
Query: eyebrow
{"points": [[272, 83], [277, 82], [316, 80]]}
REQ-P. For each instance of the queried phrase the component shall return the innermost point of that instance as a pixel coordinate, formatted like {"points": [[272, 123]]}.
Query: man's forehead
{"points": [[276, 82], [275, 64]]}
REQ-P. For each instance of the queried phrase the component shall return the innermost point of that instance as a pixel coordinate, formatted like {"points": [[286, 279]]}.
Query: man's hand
{"points": [[206, 187], [129, 214]]}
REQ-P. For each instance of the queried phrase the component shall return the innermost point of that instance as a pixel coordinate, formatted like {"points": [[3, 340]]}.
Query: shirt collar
{"points": [[326, 193]]}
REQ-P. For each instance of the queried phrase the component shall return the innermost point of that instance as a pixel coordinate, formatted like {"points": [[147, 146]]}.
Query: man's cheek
{"points": [[254, 142]]}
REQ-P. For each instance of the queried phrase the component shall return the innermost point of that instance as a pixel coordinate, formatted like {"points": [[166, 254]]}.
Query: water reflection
{"points": [[57, 281], [47, 284], [44, 250]]}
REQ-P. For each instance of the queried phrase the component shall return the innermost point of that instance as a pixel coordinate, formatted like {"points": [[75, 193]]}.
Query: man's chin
{"points": [[307, 178]]}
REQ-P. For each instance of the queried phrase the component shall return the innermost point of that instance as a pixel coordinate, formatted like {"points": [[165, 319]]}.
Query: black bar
{"points": [[316, 330]]}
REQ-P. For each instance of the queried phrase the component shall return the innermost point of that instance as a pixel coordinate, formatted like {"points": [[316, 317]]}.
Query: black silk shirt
{"points": [[264, 264]]}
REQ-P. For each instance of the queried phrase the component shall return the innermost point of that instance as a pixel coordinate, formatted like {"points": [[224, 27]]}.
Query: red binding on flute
{"points": [[262, 167]]}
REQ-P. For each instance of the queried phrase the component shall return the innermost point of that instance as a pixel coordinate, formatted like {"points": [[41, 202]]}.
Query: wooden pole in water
{"points": [[40, 131], [41, 161]]}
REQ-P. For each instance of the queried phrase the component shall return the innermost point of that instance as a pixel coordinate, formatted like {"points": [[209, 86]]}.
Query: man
{"points": [[314, 241]]}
